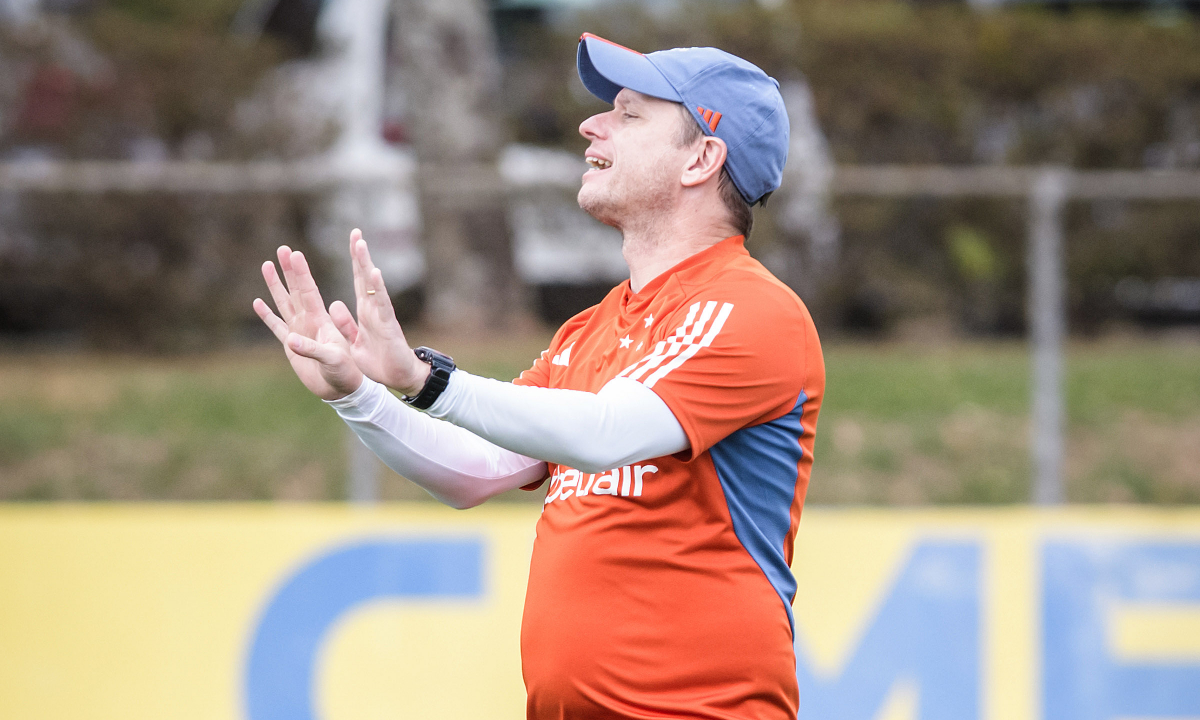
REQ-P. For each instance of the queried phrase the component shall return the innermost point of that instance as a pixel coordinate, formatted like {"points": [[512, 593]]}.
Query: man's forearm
{"points": [[452, 464]]}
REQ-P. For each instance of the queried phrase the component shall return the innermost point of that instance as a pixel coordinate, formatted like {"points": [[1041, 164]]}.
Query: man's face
{"points": [[635, 159]]}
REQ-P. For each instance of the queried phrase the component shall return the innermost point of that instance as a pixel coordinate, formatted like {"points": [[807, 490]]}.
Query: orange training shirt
{"points": [[663, 589]]}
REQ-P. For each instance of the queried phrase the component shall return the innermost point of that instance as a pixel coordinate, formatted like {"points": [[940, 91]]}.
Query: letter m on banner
{"points": [[924, 637]]}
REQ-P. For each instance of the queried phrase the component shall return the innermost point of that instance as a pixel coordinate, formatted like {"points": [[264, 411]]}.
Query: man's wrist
{"points": [[439, 366], [341, 390], [365, 389], [423, 370]]}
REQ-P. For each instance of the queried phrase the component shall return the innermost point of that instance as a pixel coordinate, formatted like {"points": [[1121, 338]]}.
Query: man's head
{"points": [[684, 121], [645, 154]]}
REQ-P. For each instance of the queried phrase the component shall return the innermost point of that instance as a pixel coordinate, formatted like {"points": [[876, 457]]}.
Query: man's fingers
{"points": [[356, 268], [362, 257], [362, 270], [368, 280], [372, 276], [278, 327], [382, 301], [307, 347], [343, 321], [305, 286], [284, 253], [278, 292]]}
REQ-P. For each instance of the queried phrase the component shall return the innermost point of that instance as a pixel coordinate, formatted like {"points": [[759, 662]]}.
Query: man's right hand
{"points": [[318, 352]]}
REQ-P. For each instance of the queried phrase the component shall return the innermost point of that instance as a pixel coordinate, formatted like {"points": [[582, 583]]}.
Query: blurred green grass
{"points": [[892, 382], [901, 424], [908, 424]]}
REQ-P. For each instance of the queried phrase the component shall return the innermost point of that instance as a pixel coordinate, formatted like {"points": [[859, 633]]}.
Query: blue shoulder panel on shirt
{"points": [[757, 467]]}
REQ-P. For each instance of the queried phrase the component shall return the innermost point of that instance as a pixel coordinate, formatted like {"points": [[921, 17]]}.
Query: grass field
{"points": [[902, 424]]}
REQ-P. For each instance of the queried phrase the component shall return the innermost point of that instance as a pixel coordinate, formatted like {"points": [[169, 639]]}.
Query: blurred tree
{"points": [[133, 79], [979, 271], [130, 74]]}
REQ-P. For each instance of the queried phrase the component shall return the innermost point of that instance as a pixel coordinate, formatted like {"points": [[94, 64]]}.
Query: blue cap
{"points": [[731, 99]]}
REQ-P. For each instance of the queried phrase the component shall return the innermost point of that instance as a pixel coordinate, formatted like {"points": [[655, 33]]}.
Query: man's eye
{"points": [[628, 115]]}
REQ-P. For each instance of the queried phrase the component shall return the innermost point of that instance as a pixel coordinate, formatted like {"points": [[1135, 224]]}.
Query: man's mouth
{"points": [[597, 163]]}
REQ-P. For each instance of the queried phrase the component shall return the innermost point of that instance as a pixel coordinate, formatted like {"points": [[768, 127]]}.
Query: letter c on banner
{"points": [[283, 653]]}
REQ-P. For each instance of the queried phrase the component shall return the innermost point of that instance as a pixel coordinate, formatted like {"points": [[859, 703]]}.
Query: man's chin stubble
{"points": [[598, 209]]}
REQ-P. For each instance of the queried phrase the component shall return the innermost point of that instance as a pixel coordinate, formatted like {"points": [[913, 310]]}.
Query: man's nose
{"points": [[593, 127]]}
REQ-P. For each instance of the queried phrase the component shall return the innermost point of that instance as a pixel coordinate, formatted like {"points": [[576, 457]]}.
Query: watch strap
{"points": [[441, 366]]}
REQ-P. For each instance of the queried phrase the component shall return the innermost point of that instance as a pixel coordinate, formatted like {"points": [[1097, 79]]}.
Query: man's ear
{"points": [[705, 163]]}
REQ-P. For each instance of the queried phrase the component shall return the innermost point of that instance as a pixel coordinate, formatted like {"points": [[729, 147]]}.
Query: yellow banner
{"points": [[297, 612]]}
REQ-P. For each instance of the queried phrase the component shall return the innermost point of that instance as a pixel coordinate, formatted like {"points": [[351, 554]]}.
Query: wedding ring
{"points": [[370, 292]]}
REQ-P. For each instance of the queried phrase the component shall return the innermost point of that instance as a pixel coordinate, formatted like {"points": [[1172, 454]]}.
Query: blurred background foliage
{"points": [[145, 79], [904, 82], [134, 80], [893, 82]]}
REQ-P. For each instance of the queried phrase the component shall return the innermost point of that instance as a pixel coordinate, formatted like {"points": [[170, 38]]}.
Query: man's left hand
{"points": [[377, 342]]}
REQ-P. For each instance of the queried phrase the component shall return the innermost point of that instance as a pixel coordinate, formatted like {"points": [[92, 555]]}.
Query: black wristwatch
{"points": [[439, 377]]}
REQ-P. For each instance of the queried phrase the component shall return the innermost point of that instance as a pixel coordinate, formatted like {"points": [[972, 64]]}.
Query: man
{"points": [[674, 420]]}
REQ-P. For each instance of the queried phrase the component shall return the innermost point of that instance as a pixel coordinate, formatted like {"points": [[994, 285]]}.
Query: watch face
{"points": [[433, 357], [441, 365]]}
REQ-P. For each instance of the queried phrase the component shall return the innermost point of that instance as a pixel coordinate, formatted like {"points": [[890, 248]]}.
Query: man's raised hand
{"points": [[377, 343], [314, 345]]}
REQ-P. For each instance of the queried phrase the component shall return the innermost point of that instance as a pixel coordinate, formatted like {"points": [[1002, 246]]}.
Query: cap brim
{"points": [[605, 68]]}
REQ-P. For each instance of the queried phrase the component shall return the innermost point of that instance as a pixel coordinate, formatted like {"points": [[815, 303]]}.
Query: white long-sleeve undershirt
{"points": [[454, 466], [499, 435], [625, 422]]}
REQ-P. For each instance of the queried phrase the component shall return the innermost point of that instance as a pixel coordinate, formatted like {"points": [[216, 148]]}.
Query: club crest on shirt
{"points": [[627, 481]]}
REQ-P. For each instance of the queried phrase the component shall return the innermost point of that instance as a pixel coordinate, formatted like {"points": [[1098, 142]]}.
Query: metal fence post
{"points": [[363, 470], [1047, 317]]}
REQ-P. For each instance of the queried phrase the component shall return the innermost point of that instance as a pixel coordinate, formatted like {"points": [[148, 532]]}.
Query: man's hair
{"points": [[740, 214]]}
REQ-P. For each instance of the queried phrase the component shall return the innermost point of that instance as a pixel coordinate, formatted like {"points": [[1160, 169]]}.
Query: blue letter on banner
{"points": [[279, 678], [1079, 581], [926, 631]]}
